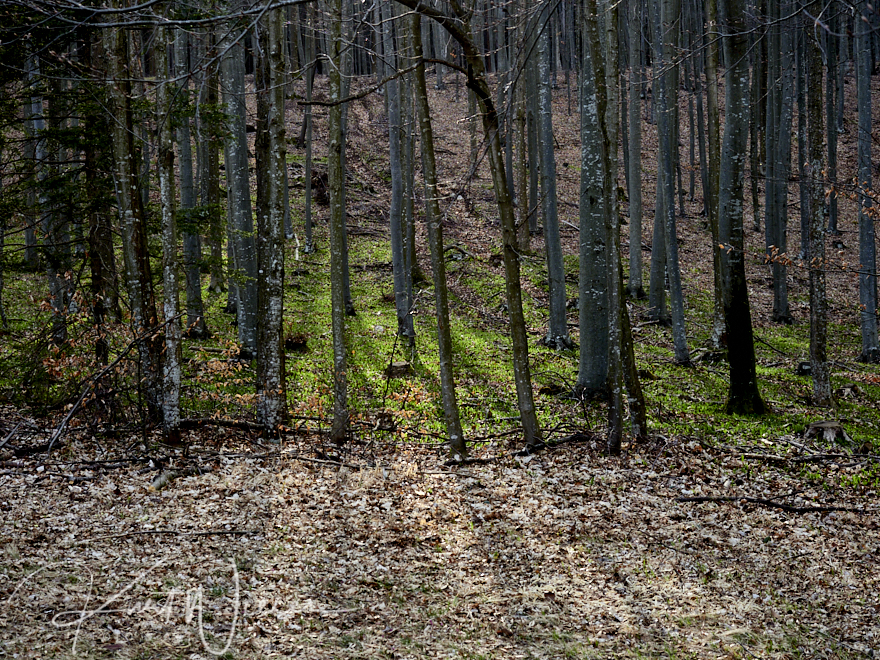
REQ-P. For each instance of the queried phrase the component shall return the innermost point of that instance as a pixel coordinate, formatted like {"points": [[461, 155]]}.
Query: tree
{"points": [[779, 109], [139, 280], [192, 245], [666, 127], [636, 289], [433, 217], [743, 396], [168, 203], [239, 209], [457, 23], [402, 275], [335, 178], [557, 329], [272, 161], [867, 245], [815, 170]]}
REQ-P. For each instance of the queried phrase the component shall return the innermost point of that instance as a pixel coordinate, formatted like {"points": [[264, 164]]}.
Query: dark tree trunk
{"points": [[867, 245], [743, 397]]}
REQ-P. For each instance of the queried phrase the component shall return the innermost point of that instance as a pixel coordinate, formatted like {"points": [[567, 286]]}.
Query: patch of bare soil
{"points": [[266, 551]]}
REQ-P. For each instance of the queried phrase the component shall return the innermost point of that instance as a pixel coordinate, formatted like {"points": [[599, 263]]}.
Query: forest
{"points": [[439, 328]]}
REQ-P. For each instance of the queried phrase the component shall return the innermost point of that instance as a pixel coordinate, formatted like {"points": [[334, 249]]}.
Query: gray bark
{"points": [[192, 248], [802, 67], [832, 56], [867, 245], [557, 330], [139, 281], [336, 181], [778, 159], [713, 141], [743, 395], [593, 269], [271, 381], [666, 115], [815, 169], [209, 165], [402, 276], [433, 218], [170, 284], [238, 190]]}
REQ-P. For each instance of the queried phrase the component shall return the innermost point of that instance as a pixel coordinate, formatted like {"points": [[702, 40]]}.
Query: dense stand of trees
{"points": [[113, 111]]}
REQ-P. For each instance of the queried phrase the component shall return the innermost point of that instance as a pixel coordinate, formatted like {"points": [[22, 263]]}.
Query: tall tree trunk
{"points": [[336, 181], [192, 248], [758, 127], [867, 245], [167, 201], [139, 281], [802, 66], [557, 329], [433, 218], [271, 380], [713, 140], [401, 276], [743, 396], [779, 109], [666, 129], [815, 167], [209, 164], [832, 57], [594, 206], [239, 207], [596, 211]]}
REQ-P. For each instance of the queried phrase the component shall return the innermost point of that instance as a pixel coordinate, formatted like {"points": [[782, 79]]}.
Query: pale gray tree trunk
{"points": [[209, 164], [192, 249], [336, 181], [867, 245], [832, 57], [238, 191], [271, 381], [593, 269], [636, 276], [557, 329], [779, 110], [433, 220], [815, 169], [307, 126], [167, 201], [713, 141], [401, 276], [802, 66], [666, 115], [597, 226]]}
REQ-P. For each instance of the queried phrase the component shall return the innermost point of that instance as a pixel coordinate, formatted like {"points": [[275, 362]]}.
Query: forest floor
{"points": [[116, 546]]}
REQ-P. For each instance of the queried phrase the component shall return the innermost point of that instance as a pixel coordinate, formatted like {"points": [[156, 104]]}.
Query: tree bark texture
{"points": [[271, 382], [743, 396]]}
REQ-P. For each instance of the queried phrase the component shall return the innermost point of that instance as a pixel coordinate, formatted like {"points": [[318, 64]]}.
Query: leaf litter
{"points": [[563, 553]]}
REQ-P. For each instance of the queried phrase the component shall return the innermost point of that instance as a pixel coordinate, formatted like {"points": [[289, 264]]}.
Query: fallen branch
{"points": [[776, 505], [11, 434]]}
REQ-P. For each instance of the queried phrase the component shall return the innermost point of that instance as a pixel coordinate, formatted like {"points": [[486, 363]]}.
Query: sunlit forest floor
{"points": [[116, 545]]}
